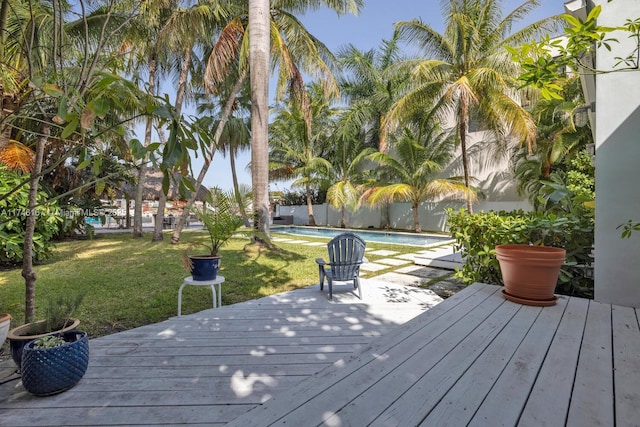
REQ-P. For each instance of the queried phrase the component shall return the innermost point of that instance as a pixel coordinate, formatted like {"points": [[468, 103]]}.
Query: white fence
{"points": [[432, 215]]}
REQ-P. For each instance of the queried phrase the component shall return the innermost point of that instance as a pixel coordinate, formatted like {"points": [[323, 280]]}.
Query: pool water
{"points": [[395, 238]]}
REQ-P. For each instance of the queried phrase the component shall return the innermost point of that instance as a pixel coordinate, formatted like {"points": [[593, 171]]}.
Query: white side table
{"points": [[189, 281]]}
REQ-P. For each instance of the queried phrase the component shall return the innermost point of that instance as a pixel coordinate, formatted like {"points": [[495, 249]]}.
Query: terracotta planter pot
{"points": [[530, 273], [20, 336]]}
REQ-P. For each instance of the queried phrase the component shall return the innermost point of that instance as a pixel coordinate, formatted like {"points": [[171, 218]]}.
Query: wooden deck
{"points": [[211, 367], [479, 360], [299, 360]]}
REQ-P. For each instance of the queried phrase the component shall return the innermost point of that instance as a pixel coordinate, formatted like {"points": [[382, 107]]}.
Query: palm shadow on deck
{"points": [[213, 366]]}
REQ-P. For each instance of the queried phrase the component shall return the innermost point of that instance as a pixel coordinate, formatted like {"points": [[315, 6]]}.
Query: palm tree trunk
{"points": [[27, 256], [142, 169], [416, 218], [224, 117], [343, 222], [157, 231], [384, 217], [462, 129], [259, 47], [236, 188], [137, 210], [312, 219], [182, 89], [127, 214]]}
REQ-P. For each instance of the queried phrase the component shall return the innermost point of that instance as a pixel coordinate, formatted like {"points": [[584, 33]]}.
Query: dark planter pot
{"points": [[20, 336], [204, 267], [53, 370], [530, 273]]}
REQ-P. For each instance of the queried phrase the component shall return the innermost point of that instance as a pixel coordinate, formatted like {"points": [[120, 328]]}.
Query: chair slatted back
{"points": [[346, 252]]}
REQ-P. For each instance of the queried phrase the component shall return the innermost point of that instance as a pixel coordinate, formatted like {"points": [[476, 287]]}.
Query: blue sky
{"points": [[365, 31]]}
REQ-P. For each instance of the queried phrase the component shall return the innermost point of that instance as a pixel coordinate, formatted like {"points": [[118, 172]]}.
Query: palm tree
{"points": [[294, 50], [419, 154], [299, 150], [259, 58], [347, 174], [468, 69], [371, 85], [235, 137], [170, 36]]}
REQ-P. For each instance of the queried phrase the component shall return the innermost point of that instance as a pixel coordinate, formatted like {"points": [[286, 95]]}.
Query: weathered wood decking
{"points": [[296, 360], [479, 360], [211, 367]]}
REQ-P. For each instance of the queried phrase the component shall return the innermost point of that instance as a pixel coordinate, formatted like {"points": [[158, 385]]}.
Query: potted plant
{"points": [[530, 273], [221, 222], [54, 363], [58, 319]]}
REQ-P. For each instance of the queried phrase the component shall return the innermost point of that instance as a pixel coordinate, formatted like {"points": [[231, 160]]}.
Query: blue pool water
{"points": [[395, 238]]}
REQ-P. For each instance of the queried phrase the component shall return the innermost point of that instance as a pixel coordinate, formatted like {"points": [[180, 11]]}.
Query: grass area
{"points": [[133, 282]]}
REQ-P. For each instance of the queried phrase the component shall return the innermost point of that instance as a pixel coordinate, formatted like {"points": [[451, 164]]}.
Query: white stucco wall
{"points": [[432, 215], [617, 261]]}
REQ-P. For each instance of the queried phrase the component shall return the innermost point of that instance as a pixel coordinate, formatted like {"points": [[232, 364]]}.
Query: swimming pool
{"points": [[395, 238]]}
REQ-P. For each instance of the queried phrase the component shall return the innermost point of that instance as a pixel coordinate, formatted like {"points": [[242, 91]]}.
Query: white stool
{"points": [[189, 281]]}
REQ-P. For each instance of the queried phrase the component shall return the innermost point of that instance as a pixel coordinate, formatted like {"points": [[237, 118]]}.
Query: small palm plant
{"points": [[221, 222]]}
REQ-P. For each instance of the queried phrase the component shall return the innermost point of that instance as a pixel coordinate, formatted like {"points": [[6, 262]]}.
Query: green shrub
{"points": [[13, 218], [477, 236]]}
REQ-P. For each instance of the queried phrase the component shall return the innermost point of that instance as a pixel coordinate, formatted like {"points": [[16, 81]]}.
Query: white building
{"points": [[617, 138]]}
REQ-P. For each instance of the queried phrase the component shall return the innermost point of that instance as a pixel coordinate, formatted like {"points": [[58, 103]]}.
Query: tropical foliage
{"points": [[14, 211], [477, 236], [77, 78], [419, 155], [467, 69]]}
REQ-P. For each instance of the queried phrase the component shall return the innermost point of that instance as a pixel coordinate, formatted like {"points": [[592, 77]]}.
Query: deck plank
{"points": [[426, 377], [461, 401], [626, 363], [504, 404], [592, 397], [549, 400]]}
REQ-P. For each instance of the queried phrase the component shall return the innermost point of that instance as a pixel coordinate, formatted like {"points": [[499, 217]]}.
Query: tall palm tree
{"points": [[371, 84], [419, 155], [259, 58], [281, 40], [469, 70], [235, 137], [170, 34], [299, 150]]}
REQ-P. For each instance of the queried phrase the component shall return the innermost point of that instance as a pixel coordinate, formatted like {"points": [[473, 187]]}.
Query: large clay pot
{"points": [[530, 273], [20, 336]]}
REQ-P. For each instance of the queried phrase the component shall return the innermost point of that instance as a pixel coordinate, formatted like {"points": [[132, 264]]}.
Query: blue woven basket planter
{"points": [[53, 370]]}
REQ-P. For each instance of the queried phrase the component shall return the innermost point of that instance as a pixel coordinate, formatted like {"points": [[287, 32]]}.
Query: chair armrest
{"points": [[320, 261]]}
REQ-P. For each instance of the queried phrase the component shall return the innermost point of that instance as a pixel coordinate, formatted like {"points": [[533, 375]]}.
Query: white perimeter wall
{"points": [[432, 215], [617, 265]]}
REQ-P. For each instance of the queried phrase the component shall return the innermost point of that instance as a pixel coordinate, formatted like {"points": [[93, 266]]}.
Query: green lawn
{"points": [[133, 282]]}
